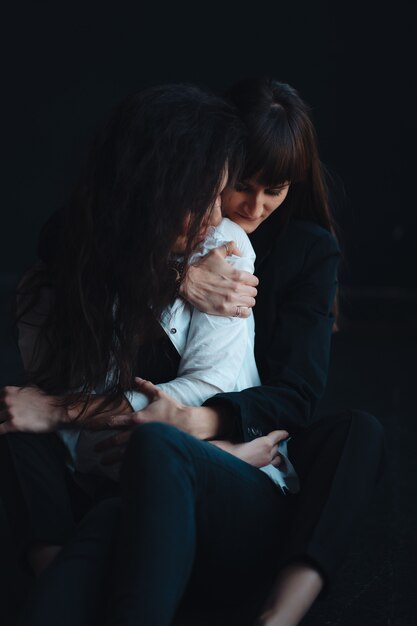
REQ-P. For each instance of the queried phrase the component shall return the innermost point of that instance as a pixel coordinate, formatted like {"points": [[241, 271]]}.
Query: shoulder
{"points": [[303, 241], [230, 231], [309, 234], [227, 228], [224, 232], [302, 249]]}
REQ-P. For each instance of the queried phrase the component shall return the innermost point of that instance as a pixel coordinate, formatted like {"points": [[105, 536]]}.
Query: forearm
{"points": [[259, 410]]}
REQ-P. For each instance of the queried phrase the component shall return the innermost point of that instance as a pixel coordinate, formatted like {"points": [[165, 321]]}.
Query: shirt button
{"points": [[173, 331], [254, 432]]}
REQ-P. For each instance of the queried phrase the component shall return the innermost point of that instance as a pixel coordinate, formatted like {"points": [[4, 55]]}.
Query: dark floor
{"points": [[373, 367]]}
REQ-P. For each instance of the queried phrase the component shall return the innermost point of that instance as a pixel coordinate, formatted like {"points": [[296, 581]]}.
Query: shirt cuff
{"points": [[137, 400]]}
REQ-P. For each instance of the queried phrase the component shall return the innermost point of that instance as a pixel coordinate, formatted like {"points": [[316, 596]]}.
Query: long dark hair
{"points": [[282, 146], [156, 165]]}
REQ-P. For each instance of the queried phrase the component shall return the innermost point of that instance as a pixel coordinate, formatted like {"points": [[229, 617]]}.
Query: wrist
{"points": [[68, 413], [184, 285], [205, 422]]}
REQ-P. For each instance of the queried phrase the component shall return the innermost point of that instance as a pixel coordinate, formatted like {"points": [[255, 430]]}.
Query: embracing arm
{"points": [[216, 287], [294, 327], [215, 347]]}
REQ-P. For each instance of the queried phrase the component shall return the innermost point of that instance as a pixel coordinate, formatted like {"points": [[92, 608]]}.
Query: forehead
{"points": [[264, 184]]}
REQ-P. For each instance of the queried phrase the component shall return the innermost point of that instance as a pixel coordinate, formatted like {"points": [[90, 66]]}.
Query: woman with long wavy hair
{"points": [[145, 200], [215, 530], [282, 202]]}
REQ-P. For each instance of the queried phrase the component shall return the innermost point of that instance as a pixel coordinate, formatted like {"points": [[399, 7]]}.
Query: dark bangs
{"points": [[276, 152]]}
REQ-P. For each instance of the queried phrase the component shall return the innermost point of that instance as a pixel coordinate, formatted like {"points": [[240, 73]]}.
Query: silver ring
{"points": [[237, 314]]}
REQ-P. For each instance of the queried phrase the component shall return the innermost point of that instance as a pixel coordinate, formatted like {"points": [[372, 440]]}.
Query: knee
{"points": [[369, 441], [156, 443], [154, 434], [369, 427]]}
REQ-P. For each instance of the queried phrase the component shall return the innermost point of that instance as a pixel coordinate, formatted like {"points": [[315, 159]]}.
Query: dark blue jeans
{"points": [[197, 530]]}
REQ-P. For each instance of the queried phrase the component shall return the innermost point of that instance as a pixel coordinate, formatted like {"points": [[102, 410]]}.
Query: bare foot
{"points": [[296, 589]]}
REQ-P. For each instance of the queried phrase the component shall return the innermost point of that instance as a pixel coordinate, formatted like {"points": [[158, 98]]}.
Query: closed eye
{"points": [[275, 192], [247, 188], [242, 188]]}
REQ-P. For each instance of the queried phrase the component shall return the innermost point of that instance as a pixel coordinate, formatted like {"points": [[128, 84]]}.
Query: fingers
{"points": [[276, 461], [238, 311], [5, 393], [5, 428], [6, 424], [146, 387], [246, 278], [105, 421], [239, 298], [276, 436], [229, 248]]}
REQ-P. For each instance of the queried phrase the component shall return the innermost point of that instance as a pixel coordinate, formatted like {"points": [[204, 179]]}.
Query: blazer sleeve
{"points": [[295, 356]]}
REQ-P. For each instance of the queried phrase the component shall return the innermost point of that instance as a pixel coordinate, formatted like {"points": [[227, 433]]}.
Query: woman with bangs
{"points": [[276, 561], [282, 203], [237, 545]]}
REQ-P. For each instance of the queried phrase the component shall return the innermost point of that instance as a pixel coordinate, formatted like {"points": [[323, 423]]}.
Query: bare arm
{"points": [[205, 423], [29, 409]]}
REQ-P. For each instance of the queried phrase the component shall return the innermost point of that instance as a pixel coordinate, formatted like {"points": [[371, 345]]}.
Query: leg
{"points": [[73, 590], [339, 463], [339, 460], [190, 511], [13, 582], [38, 495], [36, 487], [294, 592]]}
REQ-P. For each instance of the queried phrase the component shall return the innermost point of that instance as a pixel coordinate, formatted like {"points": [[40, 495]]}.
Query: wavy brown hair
{"points": [[154, 166]]}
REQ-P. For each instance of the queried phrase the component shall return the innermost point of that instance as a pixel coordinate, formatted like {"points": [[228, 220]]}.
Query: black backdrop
{"points": [[68, 62]]}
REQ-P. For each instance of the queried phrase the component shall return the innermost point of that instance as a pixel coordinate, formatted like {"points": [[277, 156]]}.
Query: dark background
{"points": [[68, 63]]}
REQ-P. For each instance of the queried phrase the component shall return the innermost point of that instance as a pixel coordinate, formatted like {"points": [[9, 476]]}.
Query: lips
{"points": [[248, 219]]}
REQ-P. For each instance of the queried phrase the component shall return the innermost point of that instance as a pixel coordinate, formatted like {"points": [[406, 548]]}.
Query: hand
{"points": [[258, 452], [213, 286], [161, 408], [29, 409]]}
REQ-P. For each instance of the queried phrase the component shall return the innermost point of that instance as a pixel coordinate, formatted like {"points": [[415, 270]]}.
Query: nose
{"points": [[254, 207]]}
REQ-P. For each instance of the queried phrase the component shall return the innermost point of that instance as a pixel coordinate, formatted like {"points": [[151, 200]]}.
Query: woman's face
{"points": [[213, 218], [248, 203]]}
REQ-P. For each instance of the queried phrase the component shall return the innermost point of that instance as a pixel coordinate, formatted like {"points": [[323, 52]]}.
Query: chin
{"points": [[248, 228], [246, 225]]}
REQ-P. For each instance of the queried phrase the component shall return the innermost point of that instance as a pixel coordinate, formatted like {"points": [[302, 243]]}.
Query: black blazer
{"points": [[297, 270]]}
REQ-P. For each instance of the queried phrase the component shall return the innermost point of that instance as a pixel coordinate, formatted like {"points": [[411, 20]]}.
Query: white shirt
{"points": [[217, 355]]}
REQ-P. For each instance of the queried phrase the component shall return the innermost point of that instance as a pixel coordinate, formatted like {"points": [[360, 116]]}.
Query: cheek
{"points": [[229, 201], [273, 205]]}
